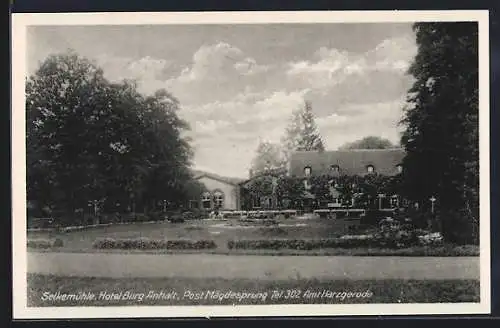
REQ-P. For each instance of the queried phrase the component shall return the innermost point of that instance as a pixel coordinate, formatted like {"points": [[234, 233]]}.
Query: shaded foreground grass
{"points": [[216, 291]]}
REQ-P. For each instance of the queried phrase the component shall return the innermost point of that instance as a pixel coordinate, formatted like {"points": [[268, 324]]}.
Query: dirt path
{"points": [[252, 267]]}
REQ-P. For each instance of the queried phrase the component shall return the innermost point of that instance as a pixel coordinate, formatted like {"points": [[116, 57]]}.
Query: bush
{"points": [[302, 244], [195, 214], [176, 218], [393, 234], [145, 243], [156, 216], [431, 239], [372, 217], [459, 227], [44, 243]]}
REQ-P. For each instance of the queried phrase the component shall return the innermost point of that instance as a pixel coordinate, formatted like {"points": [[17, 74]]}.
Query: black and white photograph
{"points": [[250, 164]]}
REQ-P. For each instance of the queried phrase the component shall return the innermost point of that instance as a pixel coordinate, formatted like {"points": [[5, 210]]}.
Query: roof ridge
{"points": [[200, 173]]}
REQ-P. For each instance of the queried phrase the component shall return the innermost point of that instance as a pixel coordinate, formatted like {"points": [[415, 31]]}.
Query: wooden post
{"points": [[432, 199], [380, 196]]}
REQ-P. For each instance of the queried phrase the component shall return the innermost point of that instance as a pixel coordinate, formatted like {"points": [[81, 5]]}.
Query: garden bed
{"points": [[146, 243], [44, 243]]}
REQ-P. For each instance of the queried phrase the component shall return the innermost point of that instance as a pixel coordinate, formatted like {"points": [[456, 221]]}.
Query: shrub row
{"points": [[144, 243], [399, 239], [44, 243], [300, 244]]}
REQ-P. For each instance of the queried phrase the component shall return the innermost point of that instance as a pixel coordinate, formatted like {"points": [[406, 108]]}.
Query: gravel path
{"points": [[252, 267]]}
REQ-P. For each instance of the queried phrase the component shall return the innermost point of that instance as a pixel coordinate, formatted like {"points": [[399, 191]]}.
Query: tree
{"points": [[371, 142], [441, 121], [302, 133], [290, 188], [268, 157], [63, 96], [89, 139]]}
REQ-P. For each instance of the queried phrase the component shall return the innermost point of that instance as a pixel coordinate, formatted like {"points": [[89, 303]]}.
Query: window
{"points": [[219, 199], [394, 201], [307, 171], [269, 202], [334, 169], [256, 202], [307, 186], [205, 200], [399, 167], [370, 169]]}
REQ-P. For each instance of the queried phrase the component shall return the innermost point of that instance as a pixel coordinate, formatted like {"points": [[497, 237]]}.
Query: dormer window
{"points": [[399, 167], [334, 169], [370, 169], [307, 171]]}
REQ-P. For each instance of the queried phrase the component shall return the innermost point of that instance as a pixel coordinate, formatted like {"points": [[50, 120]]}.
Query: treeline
{"points": [[441, 122], [94, 142]]}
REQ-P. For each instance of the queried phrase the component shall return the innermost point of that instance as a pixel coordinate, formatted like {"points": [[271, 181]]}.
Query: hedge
{"points": [[308, 244], [44, 243], [144, 243]]}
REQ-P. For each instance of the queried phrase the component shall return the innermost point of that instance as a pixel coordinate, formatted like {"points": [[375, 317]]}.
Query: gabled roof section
{"points": [[197, 174], [349, 162]]}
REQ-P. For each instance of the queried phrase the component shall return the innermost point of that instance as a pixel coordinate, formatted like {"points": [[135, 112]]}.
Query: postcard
{"points": [[215, 164]]}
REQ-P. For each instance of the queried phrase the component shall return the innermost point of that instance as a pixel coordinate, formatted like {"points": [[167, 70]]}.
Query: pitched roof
{"points": [[229, 180], [349, 162]]}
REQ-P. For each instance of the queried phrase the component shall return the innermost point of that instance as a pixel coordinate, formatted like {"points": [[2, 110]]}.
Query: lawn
{"points": [[219, 231], [233, 229], [214, 291]]}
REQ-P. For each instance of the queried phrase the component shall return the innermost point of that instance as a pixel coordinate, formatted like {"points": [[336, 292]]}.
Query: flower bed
{"points": [[301, 244], [44, 243], [145, 243], [392, 240]]}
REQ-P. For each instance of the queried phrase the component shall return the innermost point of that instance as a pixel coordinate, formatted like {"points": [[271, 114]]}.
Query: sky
{"points": [[239, 84]]}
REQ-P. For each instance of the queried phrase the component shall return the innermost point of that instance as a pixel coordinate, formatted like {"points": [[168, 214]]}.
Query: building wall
{"points": [[231, 192]]}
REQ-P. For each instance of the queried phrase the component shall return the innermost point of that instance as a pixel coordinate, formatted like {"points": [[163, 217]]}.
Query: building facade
{"points": [[236, 194], [340, 163], [222, 193]]}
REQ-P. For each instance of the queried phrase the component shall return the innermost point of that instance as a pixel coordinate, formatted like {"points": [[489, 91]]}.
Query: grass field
{"points": [[184, 291], [219, 231], [222, 231]]}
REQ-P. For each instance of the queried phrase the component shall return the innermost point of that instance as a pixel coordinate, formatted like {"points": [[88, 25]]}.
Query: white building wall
{"points": [[231, 192]]}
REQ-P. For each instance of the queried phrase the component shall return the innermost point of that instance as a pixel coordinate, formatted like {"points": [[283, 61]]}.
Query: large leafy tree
{"points": [[64, 97], [441, 136], [302, 133], [89, 139], [268, 158], [371, 142]]}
